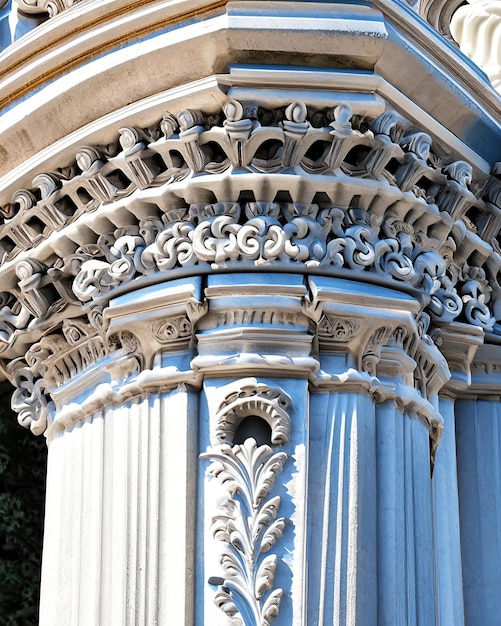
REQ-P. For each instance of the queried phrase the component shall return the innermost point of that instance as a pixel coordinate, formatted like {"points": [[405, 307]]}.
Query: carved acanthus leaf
{"points": [[247, 526]]}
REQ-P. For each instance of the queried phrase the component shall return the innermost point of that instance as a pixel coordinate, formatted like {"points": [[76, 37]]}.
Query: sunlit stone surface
{"points": [[249, 260]]}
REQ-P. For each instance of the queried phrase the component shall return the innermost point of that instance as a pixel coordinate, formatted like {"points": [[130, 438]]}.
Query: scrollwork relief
{"points": [[248, 526], [29, 400], [337, 329], [172, 329], [415, 242]]}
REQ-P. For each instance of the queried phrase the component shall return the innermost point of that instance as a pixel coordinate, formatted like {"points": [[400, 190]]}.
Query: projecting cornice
{"points": [[281, 190], [74, 57]]}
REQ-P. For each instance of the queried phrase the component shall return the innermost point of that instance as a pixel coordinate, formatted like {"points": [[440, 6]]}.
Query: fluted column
{"points": [[371, 525], [342, 502], [108, 559], [458, 343], [121, 478], [478, 440], [239, 340]]}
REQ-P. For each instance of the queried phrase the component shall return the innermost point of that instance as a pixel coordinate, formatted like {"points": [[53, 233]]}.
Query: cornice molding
{"points": [[292, 190], [373, 196]]}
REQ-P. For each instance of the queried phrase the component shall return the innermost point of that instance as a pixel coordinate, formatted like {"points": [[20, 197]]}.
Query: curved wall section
{"points": [[246, 265]]}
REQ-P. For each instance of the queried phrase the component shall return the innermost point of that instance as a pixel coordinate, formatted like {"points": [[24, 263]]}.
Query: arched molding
{"points": [[252, 398]]}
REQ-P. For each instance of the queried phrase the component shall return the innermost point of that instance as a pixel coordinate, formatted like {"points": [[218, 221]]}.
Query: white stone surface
{"points": [[478, 441], [287, 211], [120, 514], [448, 566]]}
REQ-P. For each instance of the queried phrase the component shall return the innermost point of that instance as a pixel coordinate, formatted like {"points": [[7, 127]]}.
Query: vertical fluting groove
{"points": [[346, 541], [106, 498], [354, 488], [177, 507], [388, 453], [96, 435], [339, 560], [121, 503], [448, 564], [326, 512], [119, 514], [423, 524], [134, 450], [76, 516], [142, 513], [410, 556], [152, 405], [132, 445]]}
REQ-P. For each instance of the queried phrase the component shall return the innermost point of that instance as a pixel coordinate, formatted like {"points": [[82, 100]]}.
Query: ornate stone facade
{"points": [[250, 306]]}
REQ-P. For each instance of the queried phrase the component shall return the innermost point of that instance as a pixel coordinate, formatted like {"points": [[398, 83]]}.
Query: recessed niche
{"points": [[255, 427]]}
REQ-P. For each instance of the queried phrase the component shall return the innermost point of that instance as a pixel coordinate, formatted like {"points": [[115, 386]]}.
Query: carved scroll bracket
{"points": [[161, 316]]}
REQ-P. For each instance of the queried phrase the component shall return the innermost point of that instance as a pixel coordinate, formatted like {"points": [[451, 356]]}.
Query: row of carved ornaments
{"points": [[370, 199]]}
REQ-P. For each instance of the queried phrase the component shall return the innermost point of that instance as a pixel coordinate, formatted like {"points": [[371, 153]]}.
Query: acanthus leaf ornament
{"points": [[247, 525]]}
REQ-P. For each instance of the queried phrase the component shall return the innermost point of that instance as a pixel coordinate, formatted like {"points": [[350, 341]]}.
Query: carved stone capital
{"points": [[485, 373], [458, 343], [255, 323], [161, 317], [373, 203]]}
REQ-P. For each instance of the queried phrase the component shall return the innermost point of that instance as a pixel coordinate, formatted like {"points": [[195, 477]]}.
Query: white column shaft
{"points": [[448, 566], [120, 512], [342, 503], [479, 476]]}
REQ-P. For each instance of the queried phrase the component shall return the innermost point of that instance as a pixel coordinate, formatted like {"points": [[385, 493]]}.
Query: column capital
{"points": [[458, 343], [370, 201]]}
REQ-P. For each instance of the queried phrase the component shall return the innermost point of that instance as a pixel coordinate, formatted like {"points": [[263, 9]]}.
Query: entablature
{"points": [[295, 189]]}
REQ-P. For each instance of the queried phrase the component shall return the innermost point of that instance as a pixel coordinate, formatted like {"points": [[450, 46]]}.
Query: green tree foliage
{"points": [[22, 492]]}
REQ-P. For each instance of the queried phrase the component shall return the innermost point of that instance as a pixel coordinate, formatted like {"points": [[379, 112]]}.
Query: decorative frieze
{"points": [[374, 201], [397, 210]]}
